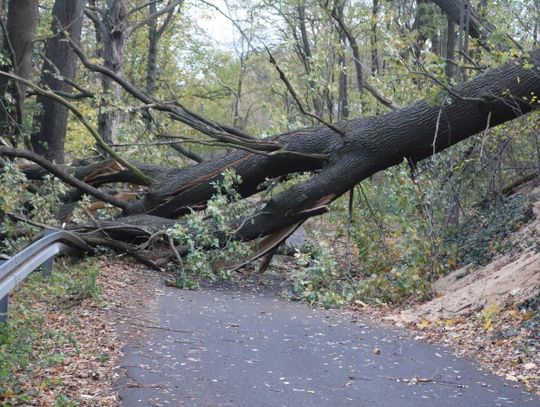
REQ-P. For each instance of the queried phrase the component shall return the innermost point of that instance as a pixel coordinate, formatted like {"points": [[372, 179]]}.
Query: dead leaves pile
{"points": [[88, 365], [497, 337]]}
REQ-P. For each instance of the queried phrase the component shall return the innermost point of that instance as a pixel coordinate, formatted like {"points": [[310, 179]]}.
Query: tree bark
{"points": [[307, 56], [60, 63], [371, 144], [113, 35], [151, 65], [343, 102], [21, 27], [374, 40], [451, 37]]}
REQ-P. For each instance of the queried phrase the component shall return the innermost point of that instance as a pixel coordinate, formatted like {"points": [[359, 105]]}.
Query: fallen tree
{"points": [[339, 156]]}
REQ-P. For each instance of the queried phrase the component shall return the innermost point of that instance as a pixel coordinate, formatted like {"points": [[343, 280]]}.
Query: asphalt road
{"points": [[230, 347]]}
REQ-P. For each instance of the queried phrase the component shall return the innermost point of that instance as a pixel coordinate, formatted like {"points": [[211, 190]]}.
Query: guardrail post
{"points": [[3, 304], [47, 266]]}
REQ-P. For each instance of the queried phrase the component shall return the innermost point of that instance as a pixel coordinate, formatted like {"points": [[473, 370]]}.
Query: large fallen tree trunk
{"points": [[369, 145], [339, 159]]}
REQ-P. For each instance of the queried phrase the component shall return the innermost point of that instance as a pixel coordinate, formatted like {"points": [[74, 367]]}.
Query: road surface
{"points": [[249, 348]]}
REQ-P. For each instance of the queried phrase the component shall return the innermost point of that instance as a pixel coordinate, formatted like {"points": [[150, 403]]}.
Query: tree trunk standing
{"points": [[113, 34], [343, 102], [374, 40], [537, 23], [49, 141], [21, 27], [98, 52], [417, 27], [153, 38], [155, 33], [478, 27], [307, 57], [451, 37], [238, 121]]}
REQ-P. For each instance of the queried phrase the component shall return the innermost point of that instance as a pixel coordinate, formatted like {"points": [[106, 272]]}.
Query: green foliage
{"points": [[398, 245], [532, 306], [38, 204], [209, 236], [318, 279], [481, 235]]}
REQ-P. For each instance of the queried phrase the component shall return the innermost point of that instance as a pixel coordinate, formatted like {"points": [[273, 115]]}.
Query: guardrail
{"points": [[39, 253]]}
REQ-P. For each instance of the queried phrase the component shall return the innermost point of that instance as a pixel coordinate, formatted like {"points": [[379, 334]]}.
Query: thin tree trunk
{"points": [[343, 99], [60, 61], [153, 38], [478, 26], [375, 57], [419, 22], [451, 37], [318, 105]]}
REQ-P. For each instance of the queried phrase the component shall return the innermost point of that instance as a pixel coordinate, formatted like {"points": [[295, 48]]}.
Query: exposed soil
{"points": [[480, 311]]}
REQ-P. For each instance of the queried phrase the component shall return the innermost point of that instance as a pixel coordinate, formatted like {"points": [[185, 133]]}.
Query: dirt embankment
{"points": [[491, 312]]}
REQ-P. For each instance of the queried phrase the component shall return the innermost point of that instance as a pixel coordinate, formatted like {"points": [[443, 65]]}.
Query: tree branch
{"points": [[293, 93], [222, 133], [168, 8], [63, 176], [362, 83], [144, 178]]}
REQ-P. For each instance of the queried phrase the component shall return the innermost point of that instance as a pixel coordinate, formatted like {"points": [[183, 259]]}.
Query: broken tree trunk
{"points": [[359, 149], [369, 145]]}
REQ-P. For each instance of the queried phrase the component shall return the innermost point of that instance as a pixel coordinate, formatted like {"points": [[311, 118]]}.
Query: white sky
{"points": [[218, 28], [222, 31]]}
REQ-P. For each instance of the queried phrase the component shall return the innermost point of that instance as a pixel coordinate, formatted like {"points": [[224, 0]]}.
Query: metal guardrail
{"points": [[39, 253]]}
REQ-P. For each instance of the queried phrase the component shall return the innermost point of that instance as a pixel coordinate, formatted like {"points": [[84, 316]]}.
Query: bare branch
{"points": [[293, 93], [168, 8], [64, 176], [47, 93], [362, 83], [222, 133]]}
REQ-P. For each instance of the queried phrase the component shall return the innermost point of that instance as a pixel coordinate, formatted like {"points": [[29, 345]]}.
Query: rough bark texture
{"points": [[21, 27], [374, 41], [151, 65], [113, 36], [371, 144], [451, 37], [60, 61]]}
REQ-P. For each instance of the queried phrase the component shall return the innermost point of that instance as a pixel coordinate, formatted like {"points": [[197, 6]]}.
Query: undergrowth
{"points": [[483, 234], [532, 307], [27, 345]]}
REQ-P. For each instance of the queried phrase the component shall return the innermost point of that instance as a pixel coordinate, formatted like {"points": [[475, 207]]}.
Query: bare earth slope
{"points": [[478, 311]]}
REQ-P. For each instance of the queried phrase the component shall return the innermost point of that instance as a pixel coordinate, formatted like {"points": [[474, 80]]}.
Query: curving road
{"points": [[248, 348]]}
